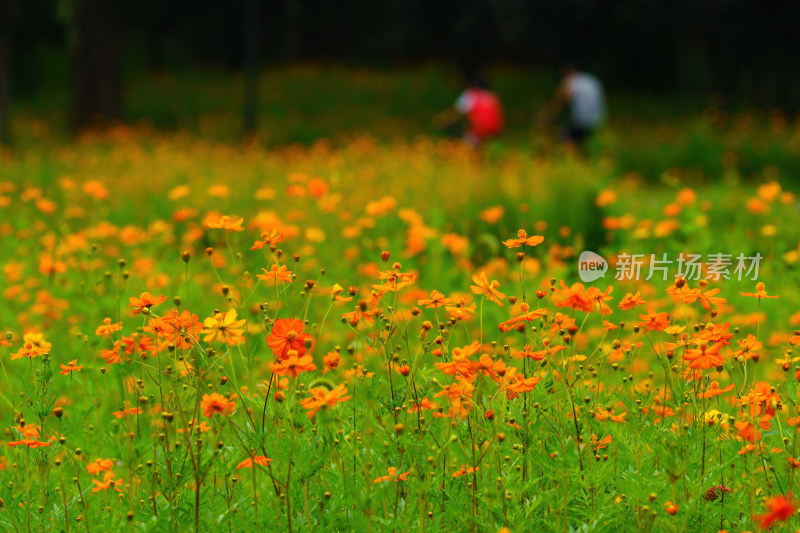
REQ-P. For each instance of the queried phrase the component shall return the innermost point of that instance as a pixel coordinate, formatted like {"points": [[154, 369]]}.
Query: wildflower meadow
{"points": [[392, 335]]}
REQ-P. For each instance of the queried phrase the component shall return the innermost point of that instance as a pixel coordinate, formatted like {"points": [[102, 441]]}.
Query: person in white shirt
{"points": [[583, 94]]}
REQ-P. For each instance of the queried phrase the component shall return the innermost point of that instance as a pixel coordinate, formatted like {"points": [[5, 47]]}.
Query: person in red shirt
{"points": [[483, 112]]}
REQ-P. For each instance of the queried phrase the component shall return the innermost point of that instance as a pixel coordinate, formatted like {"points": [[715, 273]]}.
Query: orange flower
{"points": [[107, 329], [336, 291], [322, 397], [653, 321], [29, 350], [779, 509], [747, 431], [127, 412], [600, 299], [460, 396], [529, 352], [574, 297], [526, 316], [704, 357], [708, 298], [30, 443], [393, 475], [108, 483], [145, 301], [465, 470], [72, 367], [465, 312], [492, 215], [602, 415], [194, 426], [179, 329], [287, 334], [425, 403], [760, 292], [489, 289], [522, 384], [523, 240], [715, 390], [113, 357], [100, 465], [629, 301], [227, 223], [276, 274], [749, 348], [437, 299], [293, 366], [683, 294], [137, 345], [393, 280], [216, 403], [257, 459], [268, 238], [601, 443]]}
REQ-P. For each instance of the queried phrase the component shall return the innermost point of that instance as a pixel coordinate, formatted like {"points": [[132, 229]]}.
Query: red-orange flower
{"points": [[779, 509], [287, 334]]}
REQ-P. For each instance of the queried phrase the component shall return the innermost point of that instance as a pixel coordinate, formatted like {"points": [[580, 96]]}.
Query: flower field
{"points": [[390, 335]]}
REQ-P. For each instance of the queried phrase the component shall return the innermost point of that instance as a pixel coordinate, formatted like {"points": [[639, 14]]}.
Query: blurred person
{"points": [[479, 107], [583, 94]]}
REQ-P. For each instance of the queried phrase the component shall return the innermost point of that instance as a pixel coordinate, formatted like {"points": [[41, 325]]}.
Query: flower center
{"points": [[292, 335]]}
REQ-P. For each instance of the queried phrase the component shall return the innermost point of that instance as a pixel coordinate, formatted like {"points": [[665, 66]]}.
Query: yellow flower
{"points": [[224, 328]]}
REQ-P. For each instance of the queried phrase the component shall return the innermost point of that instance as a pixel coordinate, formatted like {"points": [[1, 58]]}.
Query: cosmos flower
{"points": [[287, 334]]}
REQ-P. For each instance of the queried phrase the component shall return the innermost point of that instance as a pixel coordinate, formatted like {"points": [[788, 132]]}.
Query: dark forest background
{"points": [[746, 50]]}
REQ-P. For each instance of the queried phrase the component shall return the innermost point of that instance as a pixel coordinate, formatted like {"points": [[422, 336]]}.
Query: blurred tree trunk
{"points": [[97, 90], [5, 70], [252, 13], [293, 28]]}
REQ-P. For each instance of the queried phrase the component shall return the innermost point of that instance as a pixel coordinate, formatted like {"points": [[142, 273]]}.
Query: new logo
{"points": [[591, 266]]}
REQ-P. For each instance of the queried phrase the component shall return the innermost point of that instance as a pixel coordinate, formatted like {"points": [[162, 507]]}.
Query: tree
{"points": [[5, 70], [251, 65], [97, 89]]}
